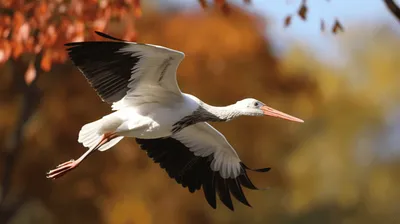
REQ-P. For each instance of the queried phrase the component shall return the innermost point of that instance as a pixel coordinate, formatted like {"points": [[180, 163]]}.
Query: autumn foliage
{"points": [[45, 26], [35, 27]]}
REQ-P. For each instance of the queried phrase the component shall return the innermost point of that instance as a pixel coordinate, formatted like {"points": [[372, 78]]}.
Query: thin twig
{"points": [[393, 8]]}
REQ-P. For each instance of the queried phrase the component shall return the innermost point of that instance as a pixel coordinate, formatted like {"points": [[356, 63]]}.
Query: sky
{"points": [[322, 44], [348, 12]]}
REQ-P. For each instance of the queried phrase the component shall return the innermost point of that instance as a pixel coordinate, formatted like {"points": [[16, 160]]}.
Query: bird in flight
{"points": [[139, 80]]}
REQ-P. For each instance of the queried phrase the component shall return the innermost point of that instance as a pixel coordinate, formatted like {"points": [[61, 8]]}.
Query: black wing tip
{"points": [[237, 191], [101, 34], [72, 44], [214, 206], [260, 170]]}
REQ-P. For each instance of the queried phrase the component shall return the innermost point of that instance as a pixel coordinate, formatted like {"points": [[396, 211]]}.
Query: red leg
{"points": [[64, 168]]}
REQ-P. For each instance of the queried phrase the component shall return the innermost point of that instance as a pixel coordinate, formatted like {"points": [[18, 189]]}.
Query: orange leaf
{"points": [[23, 32], [79, 27], [100, 24], [42, 8], [288, 20], [7, 20], [2, 56], [45, 64], [30, 74], [337, 27], [137, 10], [18, 19], [29, 45], [37, 48], [5, 50], [78, 38], [17, 49], [51, 34]]}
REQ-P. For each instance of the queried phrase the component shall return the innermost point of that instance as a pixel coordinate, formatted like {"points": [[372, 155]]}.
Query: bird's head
{"points": [[253, 107]]}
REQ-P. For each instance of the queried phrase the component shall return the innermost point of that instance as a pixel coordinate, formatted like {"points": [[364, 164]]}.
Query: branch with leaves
{"points": [[46, 25]]}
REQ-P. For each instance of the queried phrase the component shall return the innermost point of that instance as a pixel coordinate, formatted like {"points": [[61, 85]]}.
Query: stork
{"points": [[139, 80]]}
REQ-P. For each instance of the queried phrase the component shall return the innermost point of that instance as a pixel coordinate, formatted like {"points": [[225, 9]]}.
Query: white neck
{"points": [[225, 113]]}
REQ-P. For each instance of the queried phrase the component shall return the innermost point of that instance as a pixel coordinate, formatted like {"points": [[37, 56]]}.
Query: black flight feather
{"points": [[195, 172], [106, 68]]}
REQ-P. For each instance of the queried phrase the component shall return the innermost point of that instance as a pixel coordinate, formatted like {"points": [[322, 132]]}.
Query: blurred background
{"points": [[334, 64]]}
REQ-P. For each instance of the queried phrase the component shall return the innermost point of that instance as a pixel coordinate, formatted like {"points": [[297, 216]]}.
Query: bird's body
{"points": [[152, 119], [139, 81]]}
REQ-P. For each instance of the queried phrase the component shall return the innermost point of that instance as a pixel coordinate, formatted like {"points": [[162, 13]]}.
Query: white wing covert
{"points": [[117, 68]]}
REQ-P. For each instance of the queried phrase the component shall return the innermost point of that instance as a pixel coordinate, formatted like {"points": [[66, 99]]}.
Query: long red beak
{"points": [[276, 113]]}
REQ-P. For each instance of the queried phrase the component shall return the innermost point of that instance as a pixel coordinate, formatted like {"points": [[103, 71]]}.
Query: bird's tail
{"points": [[92, 133]]}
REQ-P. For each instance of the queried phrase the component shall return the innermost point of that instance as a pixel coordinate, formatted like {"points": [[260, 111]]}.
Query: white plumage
{"points": [[139, 80]]}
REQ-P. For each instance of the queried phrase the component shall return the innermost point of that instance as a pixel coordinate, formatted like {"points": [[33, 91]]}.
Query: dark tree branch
{"points": [[30, 102], [393, 8]]}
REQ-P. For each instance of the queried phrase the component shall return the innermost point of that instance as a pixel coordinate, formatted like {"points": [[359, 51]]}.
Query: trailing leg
{"points": [[64, 168]]}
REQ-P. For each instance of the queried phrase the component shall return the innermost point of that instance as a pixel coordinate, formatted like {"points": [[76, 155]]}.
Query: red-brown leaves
{"points": [[303, 11], [288, 20], [51, 24]]}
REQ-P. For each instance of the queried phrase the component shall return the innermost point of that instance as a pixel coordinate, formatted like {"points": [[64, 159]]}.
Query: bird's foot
{"points": [[62, 169]]}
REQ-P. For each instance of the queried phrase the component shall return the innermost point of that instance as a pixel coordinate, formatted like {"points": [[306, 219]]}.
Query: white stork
{"points": [[139, 80]]}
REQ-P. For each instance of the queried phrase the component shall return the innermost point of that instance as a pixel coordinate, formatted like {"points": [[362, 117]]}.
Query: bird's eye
{"points": [[256, 104]]}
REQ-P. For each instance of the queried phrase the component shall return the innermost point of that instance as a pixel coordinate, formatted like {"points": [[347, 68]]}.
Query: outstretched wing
{"points": [[200, 157], [117, 68]]}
